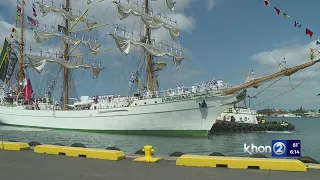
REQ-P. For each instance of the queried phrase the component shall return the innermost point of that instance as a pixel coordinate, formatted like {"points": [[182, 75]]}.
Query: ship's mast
{"points": [[21, 73], [149, 59], [66, 58]]}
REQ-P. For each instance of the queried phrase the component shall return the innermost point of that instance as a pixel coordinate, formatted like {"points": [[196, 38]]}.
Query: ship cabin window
{"points": [[155, 102], [95, 107], [135, 104], [145, 103]]}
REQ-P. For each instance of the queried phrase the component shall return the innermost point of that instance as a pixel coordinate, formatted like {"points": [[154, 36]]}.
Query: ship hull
{"points": [[144, 117]]}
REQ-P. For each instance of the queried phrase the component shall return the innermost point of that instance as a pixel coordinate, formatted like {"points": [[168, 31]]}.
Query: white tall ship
{"points": [[183, 112]]}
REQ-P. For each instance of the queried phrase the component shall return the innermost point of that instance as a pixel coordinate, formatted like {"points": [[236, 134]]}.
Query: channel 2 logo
{"points": [[286, 148]]}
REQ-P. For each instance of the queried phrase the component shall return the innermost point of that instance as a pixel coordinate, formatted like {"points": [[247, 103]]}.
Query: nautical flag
{"points": [[11, 35], [308, 32], [4, 59], [27, 90], [12, 64], [278, 10], [33, 5], [266, 3], [32, 21], [12, 30], [18, 9], [18, 16], [139, 82], [286, 15], [61, 28], [318, 41], [297, 24], [34, 12]]}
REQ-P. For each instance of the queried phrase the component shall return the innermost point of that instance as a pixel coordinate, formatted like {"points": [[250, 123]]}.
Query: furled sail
{"points": [[38, 63], [46, 9], [153, 22], [41, 36], [124, 43]]}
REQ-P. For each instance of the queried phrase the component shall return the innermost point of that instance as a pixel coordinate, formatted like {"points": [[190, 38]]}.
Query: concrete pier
{"points": [[25, 164]]}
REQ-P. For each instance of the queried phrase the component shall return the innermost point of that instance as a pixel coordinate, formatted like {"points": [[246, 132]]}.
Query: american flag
{"points": [[31, 21]]}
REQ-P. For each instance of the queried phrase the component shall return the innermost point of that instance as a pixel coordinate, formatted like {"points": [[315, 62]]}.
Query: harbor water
{"points": [[307, 130]]}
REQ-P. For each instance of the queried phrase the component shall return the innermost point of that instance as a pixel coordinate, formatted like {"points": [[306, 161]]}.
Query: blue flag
{"points": [[297, 24]]}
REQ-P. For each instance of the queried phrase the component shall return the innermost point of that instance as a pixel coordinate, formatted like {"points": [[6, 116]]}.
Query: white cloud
{"points": [[5, 29], [211, 4], [305, 94]]}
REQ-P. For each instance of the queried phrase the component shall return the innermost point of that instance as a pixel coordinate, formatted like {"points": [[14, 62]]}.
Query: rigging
{"points": [[290, 89]]}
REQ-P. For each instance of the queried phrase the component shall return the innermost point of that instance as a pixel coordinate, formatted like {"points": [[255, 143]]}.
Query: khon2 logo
{"points": [[286, 148], [279, 149]]}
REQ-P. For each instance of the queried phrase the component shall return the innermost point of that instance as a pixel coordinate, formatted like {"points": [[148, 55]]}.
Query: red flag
{"points": [[12, 30], [308, 32], [27, 90], [278, 10], [266, 3]]}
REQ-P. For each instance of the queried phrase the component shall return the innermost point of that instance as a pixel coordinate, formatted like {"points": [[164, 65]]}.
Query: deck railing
{"points": [[188, 90]]}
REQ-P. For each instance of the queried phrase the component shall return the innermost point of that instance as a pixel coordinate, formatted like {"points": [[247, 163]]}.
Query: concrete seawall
{"points": [[20, 161]]}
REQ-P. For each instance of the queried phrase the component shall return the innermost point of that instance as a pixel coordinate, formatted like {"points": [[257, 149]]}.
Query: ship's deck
{"points": [[16, 165]]}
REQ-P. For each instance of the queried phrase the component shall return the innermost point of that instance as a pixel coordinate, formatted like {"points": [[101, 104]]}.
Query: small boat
{"points": [[288, 115], [238, 119]]}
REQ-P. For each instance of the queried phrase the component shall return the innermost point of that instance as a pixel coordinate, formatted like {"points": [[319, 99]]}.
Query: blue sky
{"points": [[222, 39]]}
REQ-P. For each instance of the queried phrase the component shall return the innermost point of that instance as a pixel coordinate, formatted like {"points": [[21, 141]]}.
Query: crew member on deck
{"points": [[194, 88], [311, 54], [179, 89], [284, 63], [252, 75]]}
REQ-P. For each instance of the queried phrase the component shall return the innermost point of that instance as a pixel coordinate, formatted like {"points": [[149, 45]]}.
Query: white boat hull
{"points": [[155, 115]]}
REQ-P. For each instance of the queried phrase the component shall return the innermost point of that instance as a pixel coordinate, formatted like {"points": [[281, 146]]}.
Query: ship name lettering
{"points": [[176, 98]]}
